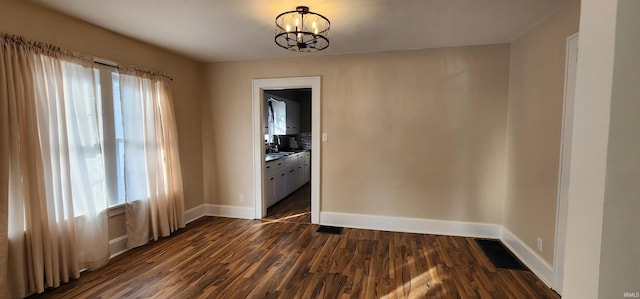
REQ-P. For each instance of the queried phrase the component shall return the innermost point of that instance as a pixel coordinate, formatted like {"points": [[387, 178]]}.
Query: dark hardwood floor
{"points": [[234, 258], [294, 208]]}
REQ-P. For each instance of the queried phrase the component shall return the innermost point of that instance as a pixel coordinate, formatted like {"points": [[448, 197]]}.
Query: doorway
{"points": [[288, 142], [259, 86]]}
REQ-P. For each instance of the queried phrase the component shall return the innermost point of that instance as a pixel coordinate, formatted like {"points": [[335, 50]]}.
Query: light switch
{"points": [[324, 137]]}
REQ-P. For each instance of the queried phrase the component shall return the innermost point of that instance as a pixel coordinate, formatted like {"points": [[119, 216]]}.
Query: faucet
{"points": [[271, 147]]}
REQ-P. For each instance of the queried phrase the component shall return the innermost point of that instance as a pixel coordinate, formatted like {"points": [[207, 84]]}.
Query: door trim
{"points": [[565, 160], [258, 85]]}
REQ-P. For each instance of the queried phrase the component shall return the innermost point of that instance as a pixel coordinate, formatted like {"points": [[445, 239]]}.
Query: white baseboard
{"points": [[403, 224], [528, 256], [118, 246], [194, 214], [450, 228], [412, 225], [218, 210]]}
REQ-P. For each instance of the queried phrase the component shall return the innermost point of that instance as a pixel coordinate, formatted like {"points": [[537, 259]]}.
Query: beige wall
{"points": [[411, 134], [536, 90], [620, 259], [40, 24]]}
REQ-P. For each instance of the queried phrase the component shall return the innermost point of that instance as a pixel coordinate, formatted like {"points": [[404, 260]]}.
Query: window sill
{"points": [[116, 210]]}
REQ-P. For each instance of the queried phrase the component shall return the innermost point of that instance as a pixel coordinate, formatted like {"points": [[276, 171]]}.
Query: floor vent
{"points": [[499, 255], [330, 230]]}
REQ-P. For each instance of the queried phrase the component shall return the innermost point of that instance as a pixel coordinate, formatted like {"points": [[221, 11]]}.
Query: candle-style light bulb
{"points": [[288, 28], [314, 25]]}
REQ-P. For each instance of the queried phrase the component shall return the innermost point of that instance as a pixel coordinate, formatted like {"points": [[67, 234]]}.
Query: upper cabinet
{"points": [[290, 111], [293, 118], [281, 116]]}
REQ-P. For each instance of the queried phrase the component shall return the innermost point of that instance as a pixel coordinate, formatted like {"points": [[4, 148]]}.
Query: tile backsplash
{"points": [[304, 141]]}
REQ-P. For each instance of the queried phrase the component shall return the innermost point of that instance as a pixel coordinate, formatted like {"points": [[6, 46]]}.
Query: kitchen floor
{"points": [[294, 208]]}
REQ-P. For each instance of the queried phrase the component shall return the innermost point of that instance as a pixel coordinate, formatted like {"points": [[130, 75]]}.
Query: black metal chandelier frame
{"points": [[298, 37]]}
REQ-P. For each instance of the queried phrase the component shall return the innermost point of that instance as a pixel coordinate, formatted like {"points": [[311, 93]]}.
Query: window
{"points": [[107, 82], [279, 116]]}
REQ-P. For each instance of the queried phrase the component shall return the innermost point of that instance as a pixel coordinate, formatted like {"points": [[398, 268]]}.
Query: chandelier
{"points": [[302, 30]]}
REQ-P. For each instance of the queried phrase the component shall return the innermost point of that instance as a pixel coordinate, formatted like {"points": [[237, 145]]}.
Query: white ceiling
{"points": [[222, 30]]}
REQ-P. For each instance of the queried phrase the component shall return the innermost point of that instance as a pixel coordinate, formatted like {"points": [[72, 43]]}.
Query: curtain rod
{"points": [[113, 64], [105, 64]]}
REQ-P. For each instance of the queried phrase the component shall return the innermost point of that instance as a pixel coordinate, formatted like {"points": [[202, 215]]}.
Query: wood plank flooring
{"points": [[294, 208], [234, 258]]}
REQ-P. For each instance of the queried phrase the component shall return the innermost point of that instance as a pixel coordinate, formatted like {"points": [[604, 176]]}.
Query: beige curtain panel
{"points": [[53, 203], [154, 204], [45, 146]]}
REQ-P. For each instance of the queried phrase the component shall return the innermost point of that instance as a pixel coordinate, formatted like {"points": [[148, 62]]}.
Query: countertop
{"points": [[282, 154]]}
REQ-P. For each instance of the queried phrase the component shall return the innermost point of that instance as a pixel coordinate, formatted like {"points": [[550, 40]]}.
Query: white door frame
{"points": [[258, 85], [565, 160]]}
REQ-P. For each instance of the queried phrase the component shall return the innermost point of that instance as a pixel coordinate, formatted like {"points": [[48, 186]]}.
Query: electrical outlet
{"points": [[539, 244], [325, 137], [241, 197]]}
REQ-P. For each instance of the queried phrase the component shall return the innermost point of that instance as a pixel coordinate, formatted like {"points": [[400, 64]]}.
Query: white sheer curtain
{"points": [[153, 183], [52, 195], [86, 160]]}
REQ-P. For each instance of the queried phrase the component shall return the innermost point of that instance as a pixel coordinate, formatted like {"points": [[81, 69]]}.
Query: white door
{"points": [[565, 159]]}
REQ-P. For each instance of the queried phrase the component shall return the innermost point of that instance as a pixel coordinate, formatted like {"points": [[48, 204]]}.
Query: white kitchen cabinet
{"points": [[291, 173], [293, 117], [291, 182], [300, 172], [274, 182], [279, 180], [286, 175], [269, 183], [270, 190], [306, 167]]}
